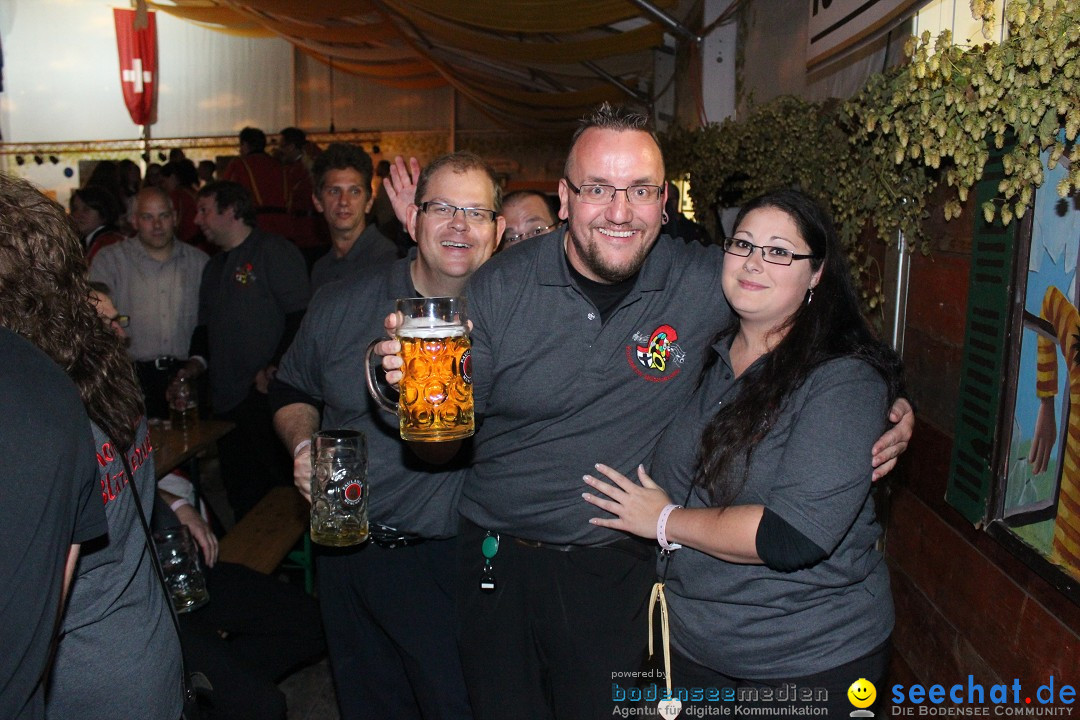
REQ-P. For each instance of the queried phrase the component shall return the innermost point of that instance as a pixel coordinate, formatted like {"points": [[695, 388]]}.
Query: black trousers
{"points": [[154, 377], [253, 460], [389, 618], [270, 629], [558, 627], [835, 682]]}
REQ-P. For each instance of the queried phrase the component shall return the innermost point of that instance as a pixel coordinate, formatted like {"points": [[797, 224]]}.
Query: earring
{"points": [[810, 297], [664, 217]]}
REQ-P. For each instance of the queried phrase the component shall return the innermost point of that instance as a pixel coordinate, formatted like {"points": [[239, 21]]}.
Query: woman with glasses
{"points": [[762, 494]]}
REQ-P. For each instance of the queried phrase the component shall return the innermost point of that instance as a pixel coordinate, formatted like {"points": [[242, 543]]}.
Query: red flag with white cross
{"points": [[138, 63]]}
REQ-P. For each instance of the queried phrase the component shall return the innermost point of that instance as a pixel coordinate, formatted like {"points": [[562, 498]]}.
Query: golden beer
{"points": [[327, 528], [436, 396], [184, 419]]}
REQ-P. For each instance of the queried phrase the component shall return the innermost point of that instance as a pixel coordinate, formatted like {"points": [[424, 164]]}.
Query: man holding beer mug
{"points": [[388, 604], [586, 342]]}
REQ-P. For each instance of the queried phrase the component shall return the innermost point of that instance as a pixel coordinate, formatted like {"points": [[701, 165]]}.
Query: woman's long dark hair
{"points": [[45, 297], [830, 326]]}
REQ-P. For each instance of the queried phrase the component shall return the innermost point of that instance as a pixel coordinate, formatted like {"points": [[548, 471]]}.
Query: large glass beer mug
{"points": [[179, 558], [435, 400], [339, 488]]}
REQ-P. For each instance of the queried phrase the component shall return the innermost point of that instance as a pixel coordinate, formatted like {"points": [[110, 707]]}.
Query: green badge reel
{"points": [[489, 548]]}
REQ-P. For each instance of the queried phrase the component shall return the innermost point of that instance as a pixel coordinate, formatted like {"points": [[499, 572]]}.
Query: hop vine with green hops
{"points": [[875, 159]]}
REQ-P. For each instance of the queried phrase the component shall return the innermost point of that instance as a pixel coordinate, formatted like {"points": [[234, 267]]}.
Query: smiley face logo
{"points": [[862, 693]]}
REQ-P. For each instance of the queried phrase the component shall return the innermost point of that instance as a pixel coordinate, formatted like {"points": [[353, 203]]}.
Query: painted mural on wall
{"points": [[1042, 493]]}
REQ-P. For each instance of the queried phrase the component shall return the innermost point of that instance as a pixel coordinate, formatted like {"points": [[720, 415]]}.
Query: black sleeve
{"points": [[292, 324], [200, 343], [162, 516], [783, 548], [282, 394]]}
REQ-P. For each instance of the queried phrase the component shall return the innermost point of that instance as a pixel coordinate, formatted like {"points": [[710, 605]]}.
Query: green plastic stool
{"points": [[301, 558]]}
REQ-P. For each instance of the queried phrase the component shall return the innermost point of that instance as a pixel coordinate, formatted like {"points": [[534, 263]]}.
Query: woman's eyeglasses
{"points": [[769, 253]]}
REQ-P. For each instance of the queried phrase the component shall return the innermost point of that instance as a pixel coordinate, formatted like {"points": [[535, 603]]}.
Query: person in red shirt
{"points": [[309, 230], [95, 212], [180, 179], [264, 178]]}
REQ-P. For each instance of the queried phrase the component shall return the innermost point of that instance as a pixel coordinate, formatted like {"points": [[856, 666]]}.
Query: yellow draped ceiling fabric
{"points": [[537, 64]]}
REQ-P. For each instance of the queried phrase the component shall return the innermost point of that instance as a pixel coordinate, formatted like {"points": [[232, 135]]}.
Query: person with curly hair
{"points": [[117, 619]]}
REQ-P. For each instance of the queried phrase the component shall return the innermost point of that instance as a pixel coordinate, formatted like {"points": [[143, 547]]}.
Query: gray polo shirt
{"points": [[559, 391], [326, 362], [245, 295], [371, 248], [161, 298], [813, 470]]}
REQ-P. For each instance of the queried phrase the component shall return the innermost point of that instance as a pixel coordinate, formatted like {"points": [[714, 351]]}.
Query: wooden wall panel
{"points": [[937, 298], [964, 604], [932, 370]]}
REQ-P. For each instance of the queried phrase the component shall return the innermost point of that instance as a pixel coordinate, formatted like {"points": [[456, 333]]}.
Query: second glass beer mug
{"points": [[435, 394], [183, 399], [179, 557], [339, 488]]}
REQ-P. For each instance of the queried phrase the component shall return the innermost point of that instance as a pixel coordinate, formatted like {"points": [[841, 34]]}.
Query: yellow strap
{"points": [[254, 185], [665, 633]]}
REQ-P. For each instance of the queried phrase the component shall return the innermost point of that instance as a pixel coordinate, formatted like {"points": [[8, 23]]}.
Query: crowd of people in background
{"points": [[600, 315]]}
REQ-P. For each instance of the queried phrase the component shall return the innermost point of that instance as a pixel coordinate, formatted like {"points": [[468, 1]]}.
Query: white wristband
{"points": [[177, 503], [661, 528], [300, 446]]}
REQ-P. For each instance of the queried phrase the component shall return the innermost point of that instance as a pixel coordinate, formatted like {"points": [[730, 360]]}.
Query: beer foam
{"points": [[427, 328]]}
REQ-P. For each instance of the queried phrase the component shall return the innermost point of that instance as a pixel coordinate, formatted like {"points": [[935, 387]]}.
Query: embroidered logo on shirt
{"points": [[244, 274], [657, 352]]}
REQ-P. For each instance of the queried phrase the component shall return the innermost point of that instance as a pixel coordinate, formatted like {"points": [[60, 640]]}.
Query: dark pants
{"points": [[271, 628], [154, 377], [253, 460], [389, 618], [835, 682], [548, 641]]}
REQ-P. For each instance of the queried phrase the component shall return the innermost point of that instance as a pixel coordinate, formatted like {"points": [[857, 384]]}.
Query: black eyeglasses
{"points": [[769, 253], [530, 233], [603, 194], [120, 320], [442, 211]]}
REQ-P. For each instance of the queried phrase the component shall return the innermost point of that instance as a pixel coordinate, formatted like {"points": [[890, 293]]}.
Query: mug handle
{"points": [[373, 383]]}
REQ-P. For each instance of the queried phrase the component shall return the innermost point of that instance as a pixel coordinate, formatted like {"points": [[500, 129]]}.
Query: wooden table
{"points": [[266, 534], [173, 448]]}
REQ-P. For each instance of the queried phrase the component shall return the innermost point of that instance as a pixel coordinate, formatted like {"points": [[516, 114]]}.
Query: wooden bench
{"points": [[266, 534]]}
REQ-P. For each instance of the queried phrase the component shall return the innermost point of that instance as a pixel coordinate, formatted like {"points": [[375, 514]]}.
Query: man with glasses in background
{"points": [[101, 296], [388, 605], [528, 214]]}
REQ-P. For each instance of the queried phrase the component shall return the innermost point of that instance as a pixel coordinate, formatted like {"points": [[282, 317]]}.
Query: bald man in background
{"points": [[154, 280]]}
